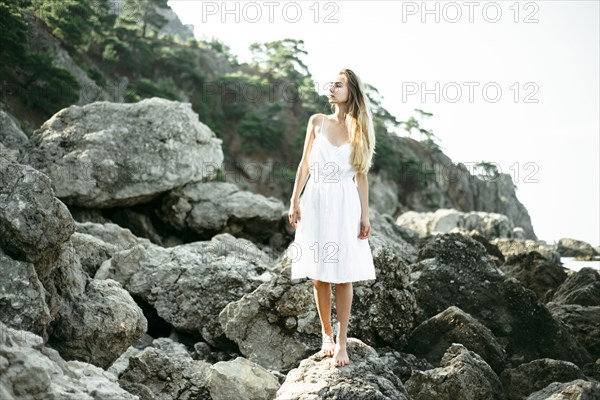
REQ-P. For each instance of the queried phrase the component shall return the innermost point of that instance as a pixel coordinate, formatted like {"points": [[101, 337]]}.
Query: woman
{"points": [[331, 217]]}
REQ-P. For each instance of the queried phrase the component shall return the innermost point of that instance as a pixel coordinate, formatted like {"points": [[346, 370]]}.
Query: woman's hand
{"points": [[293, 213], [365, 228]]}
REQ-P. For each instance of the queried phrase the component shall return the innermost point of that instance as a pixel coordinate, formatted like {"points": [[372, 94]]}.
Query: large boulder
{"points": [[12, 138], [443, 220], [29, 370], [33, 223], [578, 389], [22, 297], [432, 338], [454, 269], [165, 371], [584, 322], [511, 247], [100, 326], [462, 374], [535, 272], [207, 208], [535, 375], [366, 377], [240, 379], [108, 154], [190, 284], [568, 247], [583, 288]]}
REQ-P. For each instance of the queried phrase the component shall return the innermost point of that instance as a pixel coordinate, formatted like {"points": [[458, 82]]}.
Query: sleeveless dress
{"points": [[326, 245]]}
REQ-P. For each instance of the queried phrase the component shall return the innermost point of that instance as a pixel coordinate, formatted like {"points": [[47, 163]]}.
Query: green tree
{"points": [[143, 16], [281, 58], [72, 21], [12, 36]]}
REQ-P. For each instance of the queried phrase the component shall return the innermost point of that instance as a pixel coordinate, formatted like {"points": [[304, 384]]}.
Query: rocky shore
{"points": [[128, 272]]}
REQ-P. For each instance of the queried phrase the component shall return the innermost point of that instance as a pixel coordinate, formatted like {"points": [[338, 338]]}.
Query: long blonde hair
{"points": [[362, 135]]}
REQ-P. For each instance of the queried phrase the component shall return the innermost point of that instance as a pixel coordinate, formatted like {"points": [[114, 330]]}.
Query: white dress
{"points": [[326, 244]]}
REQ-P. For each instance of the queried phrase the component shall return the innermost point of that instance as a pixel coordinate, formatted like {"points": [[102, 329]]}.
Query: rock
{"points": [[100, 328], [592, 370], [577, 389], [383, 194], [105, 155], [535, 272], [489, 225], [535, 375], [454, 269], [22, 297], [208, 208], [402, 364], [155, 373], [568, 247], [260, 324], [510, 247], [581, 288], [92, 251], [431, 339], [463, 374], [190, 284], [366, 377], [113, 234], [33, 223], [28, 370], [240, 379], [12, 138], [584, 322]]}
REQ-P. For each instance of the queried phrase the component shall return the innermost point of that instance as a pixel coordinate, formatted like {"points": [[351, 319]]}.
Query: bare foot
{"points": [[328, 344], [340, 356]]}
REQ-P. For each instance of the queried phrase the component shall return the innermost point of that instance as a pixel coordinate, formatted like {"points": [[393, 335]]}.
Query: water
{"points": [[572, 264]]}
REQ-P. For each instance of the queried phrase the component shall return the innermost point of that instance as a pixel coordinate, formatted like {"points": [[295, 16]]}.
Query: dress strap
{"points": [[322, 124]]}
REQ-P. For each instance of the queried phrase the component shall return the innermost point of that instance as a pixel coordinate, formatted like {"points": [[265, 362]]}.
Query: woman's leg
{"points": [[343, 304], [322, 292]]}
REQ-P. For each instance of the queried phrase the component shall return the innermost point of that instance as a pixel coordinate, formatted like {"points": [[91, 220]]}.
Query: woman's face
{"points": [[337, 90]]}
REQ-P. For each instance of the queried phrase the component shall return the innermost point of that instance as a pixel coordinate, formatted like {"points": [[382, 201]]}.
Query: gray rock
{"points": [[581, 288], [101, 327], [218, 207], [489, 225], [92, 251], [12, 138], [535, 272], [535, 375], [22, 297], [106, 154], [432, 338], [402, 364], [510, 247], [113, 234], [584, 322], [366, 377], [577, 389], [454, 269], [190, 284], [29, 370], [155, 374], [568, 247], [463, 374], [33, 223], [240, 379]]}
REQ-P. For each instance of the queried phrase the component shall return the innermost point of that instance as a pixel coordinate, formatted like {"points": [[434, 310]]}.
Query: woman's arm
{"points": [[303, 170], [362, 185]]}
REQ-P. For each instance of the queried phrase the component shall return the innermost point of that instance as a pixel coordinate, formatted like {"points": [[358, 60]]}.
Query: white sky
{"points": [[390, 47]]}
